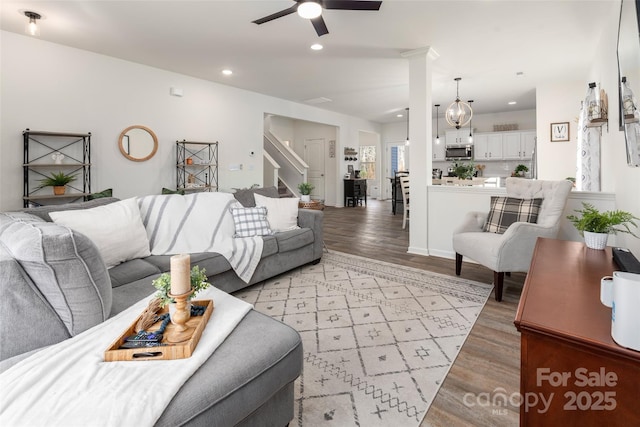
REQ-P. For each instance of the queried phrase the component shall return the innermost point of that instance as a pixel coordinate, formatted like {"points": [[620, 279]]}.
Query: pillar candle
{"points": [[180, 274]]}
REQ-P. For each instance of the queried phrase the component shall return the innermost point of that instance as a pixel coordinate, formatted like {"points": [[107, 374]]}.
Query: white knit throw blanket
{"points": [[68, 384], [199, 222]]}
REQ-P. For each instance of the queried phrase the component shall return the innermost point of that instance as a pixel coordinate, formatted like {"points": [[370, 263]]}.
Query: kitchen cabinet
{"points": [[519, 145], [460, 136], [439, 150], [487, 146]]}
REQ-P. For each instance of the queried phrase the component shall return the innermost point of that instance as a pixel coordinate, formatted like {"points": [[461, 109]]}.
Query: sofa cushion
{"points": [[130, 271], [294, 239], [282, 213], [507, 210], [43, 211], [260, 357], [269, 246], [65, 266], [212, 262], [109, 227], [245, 196]]}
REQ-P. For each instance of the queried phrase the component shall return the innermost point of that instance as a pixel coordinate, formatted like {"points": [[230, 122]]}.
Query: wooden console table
{"points": [[567, 354]]}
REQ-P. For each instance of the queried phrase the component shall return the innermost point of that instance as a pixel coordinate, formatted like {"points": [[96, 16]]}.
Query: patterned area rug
{"points": [[378, 338]]}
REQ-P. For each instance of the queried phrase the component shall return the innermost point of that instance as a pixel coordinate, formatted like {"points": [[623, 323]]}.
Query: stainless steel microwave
{"points": [[459, 152]]}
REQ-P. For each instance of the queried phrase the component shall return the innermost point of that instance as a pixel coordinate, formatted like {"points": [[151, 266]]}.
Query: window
{"points": [[368, 161]]}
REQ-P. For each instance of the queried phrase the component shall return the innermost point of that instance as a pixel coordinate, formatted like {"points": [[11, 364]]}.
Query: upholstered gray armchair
{"points": [[512, 250]]}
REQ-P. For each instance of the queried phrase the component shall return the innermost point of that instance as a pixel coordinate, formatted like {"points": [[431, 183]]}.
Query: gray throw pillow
{"points": [[246, 199]]}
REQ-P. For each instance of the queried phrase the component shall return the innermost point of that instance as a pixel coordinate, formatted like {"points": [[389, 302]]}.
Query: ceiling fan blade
{"points": [[351, 4], [277, 15], [320, 26]]}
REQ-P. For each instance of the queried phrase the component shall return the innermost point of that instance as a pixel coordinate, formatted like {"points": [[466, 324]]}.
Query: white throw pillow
{"points": [[282, 213], [116, 229]]}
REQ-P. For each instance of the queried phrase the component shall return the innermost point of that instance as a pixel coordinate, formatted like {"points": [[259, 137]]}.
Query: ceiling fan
{"points": [[312, 10]]}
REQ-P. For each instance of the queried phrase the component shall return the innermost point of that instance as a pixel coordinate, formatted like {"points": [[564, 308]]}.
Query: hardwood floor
{"points": [[489, 361]]}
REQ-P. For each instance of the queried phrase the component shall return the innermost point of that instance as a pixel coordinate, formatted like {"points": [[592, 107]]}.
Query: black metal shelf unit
{"points": [[73, 153], [196, 166]]}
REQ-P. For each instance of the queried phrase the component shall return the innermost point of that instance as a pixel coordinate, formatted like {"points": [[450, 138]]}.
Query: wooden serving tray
{"points": [[169, 351]]}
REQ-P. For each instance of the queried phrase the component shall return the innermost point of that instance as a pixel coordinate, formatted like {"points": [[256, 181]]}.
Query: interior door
{"points": [[396, 154], [314, 150]]}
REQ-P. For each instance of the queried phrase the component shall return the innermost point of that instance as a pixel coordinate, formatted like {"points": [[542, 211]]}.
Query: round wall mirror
{"points": [[138, 143]]}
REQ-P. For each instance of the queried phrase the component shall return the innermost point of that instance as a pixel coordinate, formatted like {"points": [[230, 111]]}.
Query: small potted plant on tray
{"points": [[596, 226], [58, 181], [305, 191], [163, 285]]}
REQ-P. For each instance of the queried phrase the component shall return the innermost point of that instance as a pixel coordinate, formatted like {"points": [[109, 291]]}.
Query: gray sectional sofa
{"points": [[54, 285]]}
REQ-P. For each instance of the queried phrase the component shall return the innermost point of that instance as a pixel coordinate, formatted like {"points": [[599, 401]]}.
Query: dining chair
{"points": [[404, 186]]}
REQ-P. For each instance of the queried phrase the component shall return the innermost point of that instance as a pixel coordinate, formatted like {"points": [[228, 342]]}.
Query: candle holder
{"points": [[180, 332]]}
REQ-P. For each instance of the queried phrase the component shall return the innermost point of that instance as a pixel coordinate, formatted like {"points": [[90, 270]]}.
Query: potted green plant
{"points": [[596, 226], [464, 170], [58, 181], [305, 191], [163, 285], [520, 170]]}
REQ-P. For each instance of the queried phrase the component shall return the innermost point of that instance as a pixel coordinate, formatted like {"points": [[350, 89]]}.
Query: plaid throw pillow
{"points": [[250, 222], [507, 210]]}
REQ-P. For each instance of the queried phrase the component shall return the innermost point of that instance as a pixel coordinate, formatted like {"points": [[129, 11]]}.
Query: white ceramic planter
{"points": [[305, 198], [595, 240]]}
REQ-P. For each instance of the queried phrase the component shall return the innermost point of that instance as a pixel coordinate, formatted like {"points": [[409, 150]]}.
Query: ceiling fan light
{"points": [[32, 27], [309, 9]]}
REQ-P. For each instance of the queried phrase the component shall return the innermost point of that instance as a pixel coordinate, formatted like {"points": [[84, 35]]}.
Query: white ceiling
{"points": [[360, 68]]}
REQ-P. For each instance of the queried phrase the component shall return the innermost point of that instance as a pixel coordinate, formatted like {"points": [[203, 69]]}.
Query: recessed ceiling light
{"points": [[316, 46], [399, 115], [227, 72], [512, 102]]}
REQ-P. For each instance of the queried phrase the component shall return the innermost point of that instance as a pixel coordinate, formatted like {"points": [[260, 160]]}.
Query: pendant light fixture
{"points": [[437, 130], [407, 141], [32, 26], [470, 132], [459, 113]]}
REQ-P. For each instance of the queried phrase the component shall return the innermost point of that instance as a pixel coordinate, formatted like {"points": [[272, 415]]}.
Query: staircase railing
{"points": [[271, 170], [293, 170]]}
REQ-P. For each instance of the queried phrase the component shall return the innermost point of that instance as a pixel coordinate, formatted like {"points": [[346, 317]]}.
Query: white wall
{"points": [[51, 87], [560, 102]]}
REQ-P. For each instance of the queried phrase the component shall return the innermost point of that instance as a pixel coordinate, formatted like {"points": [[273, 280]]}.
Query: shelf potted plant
{"points": [[58, 181], [520, 170], [596, 226], [305, 191]]}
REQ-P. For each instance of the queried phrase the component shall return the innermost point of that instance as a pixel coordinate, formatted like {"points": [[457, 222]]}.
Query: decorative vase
{"points": [[595, 240], [59, 190], [305, 198], [172, 309]]}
